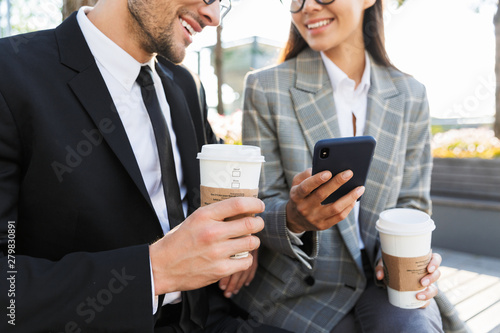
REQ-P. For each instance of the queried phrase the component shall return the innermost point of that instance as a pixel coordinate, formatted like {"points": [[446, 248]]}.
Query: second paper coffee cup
{"points": [[405, 237], [228, 171]]}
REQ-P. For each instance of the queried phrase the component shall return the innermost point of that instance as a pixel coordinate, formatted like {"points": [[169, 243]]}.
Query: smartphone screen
{"points": [[341, 154]]}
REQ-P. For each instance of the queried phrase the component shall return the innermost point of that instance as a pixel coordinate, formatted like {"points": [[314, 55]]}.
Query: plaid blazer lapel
{"points": [[384, 122], [347, 228], [313, 102]]}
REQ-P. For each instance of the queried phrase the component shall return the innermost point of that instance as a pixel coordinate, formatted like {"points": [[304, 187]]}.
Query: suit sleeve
{"points": [[259, 129], [416, 183], [82, 292]]}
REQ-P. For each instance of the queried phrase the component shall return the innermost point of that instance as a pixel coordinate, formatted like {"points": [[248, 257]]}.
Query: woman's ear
{"points": [[368, 3]]}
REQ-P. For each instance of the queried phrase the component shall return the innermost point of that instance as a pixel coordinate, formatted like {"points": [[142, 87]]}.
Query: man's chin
{"points": [[175, 57]]}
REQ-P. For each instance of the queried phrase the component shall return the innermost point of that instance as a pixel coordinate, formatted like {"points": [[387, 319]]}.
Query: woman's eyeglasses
{"points": [[297, 5], [225, 6]]}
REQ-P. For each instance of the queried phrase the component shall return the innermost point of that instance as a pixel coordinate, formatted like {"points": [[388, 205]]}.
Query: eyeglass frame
{"points": [[303, 3], [209, 2]]}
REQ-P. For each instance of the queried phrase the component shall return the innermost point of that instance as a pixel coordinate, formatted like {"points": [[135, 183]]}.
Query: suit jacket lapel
{"points": [[347, 229], [384, 122], [90, 89], [186, 136], [312, 97]]}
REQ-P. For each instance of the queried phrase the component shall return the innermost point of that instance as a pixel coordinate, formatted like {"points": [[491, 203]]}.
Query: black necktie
{"points": [[164, 144]]}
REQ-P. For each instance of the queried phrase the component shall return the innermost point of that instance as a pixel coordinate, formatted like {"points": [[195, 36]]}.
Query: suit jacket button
{"points": [[309, 280]]}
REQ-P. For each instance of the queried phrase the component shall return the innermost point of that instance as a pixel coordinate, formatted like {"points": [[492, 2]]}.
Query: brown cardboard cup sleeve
{"points": [[210, 195], [404, 274]]}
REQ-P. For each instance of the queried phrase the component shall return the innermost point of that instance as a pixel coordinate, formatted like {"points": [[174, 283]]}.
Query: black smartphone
{"points": [[340, 154]]}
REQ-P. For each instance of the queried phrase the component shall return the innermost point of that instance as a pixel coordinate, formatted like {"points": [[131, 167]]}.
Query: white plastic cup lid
{"points": [[232, 153], [404, 222]]}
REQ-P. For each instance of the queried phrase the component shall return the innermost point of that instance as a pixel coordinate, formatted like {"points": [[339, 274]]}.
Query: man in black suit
{"points": [[86, 237]]}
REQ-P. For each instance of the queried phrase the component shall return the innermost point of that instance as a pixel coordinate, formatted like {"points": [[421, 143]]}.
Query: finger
{"points": [[253, 268], [234, 284], [334, 216], [224, 282], [233, 207], [435, 262], [233, 246], [430, 278], [347, 200], [307, 186], [334, 183], [223, 230], [249, 277], [243, 226], [245, 277], [379, 270], [339, 209], [237, 265], [300, 177], [428, 294]]}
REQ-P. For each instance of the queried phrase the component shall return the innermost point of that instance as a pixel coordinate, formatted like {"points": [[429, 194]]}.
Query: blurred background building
{"points": [[448, 45]]}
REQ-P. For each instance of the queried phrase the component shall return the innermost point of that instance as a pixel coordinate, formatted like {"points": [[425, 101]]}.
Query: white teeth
{"points": [[318, 24], [188, 27]]}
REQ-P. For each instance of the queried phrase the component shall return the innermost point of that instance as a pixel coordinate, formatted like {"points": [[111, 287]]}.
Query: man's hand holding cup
{"points": [[198, 252]]}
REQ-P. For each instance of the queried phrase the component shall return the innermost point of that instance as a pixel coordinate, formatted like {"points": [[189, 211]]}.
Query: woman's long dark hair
{"points": [[373, 37]]}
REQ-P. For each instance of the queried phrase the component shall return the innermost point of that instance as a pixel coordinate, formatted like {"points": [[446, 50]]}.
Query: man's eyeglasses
{"points": [[225, 6], [297, 5]]}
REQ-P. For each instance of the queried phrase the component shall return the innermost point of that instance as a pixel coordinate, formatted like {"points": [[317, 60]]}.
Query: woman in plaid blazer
{"points": [[319, 265]]}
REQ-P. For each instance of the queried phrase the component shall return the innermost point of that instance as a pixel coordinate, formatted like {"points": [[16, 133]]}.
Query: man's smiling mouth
{"points": [[188, 27]]}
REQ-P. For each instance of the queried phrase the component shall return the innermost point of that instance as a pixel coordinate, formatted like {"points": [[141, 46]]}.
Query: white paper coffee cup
{"points": [[405, 237], [228, 171]]}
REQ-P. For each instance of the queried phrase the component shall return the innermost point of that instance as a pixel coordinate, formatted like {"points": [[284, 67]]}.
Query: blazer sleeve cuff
{"points": [[278, 237]]}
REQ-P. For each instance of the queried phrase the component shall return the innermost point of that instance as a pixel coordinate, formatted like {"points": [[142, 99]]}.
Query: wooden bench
{"points": [[472, 283]]}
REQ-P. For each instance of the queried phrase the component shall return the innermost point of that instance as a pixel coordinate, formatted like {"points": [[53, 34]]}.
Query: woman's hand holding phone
{"points": [[305, 211], [318, 197]]}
